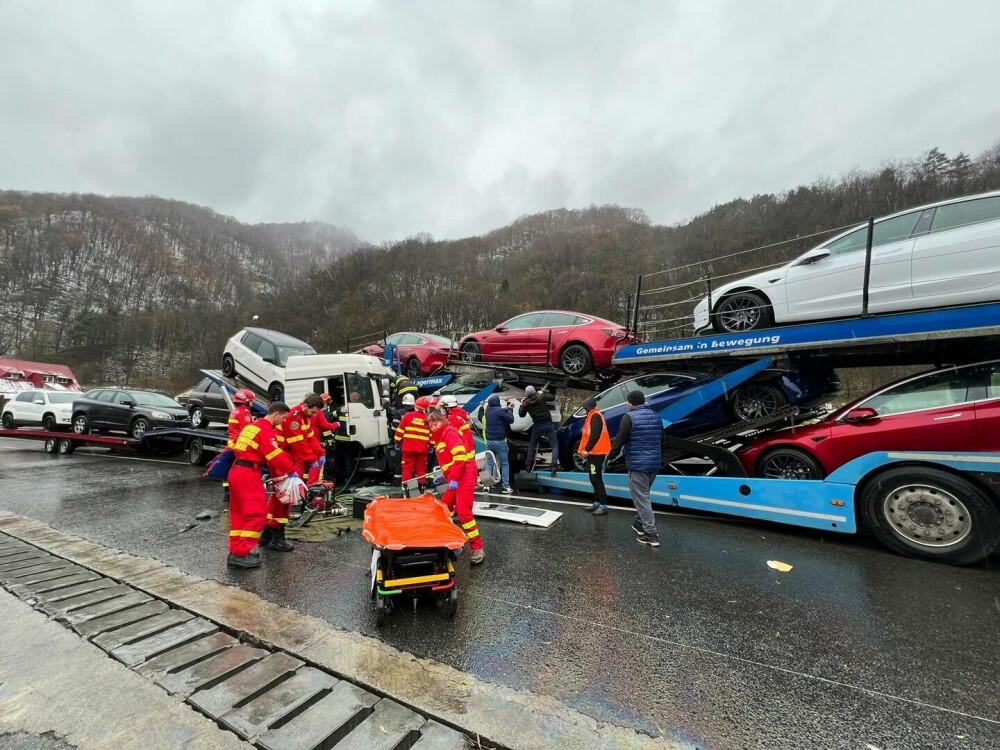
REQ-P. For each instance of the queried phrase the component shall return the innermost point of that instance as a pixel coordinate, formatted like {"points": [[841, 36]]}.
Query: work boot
{"points": [[600, 511], [250, 561], [553, 472], [255, 552], [266, 536], [478, 555], [278, 542]]}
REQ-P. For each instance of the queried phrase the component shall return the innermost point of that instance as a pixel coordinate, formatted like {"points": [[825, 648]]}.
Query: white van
{"points": [[355, 383]]}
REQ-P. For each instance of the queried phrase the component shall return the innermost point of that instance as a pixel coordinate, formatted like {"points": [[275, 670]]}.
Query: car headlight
{"points": [[160, 415]]}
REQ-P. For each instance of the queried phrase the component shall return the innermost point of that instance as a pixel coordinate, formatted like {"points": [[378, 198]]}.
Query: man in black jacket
{"points": [[536, 405]]}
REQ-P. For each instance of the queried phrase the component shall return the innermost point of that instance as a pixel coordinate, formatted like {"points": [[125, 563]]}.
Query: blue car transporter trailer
{"points": [[926, 337], [937, 506]]}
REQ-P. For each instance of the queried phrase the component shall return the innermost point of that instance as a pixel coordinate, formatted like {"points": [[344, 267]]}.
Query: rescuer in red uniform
{"points": [[255, 446], [459, 419], [324, 430], [295, 435], [239, 418], [412, 438], [458, 469]]}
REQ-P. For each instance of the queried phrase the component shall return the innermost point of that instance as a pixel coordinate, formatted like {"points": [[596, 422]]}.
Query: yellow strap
{"points": [[417, 579]]}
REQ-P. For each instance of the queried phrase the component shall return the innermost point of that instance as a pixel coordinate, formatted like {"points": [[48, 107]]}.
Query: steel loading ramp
{"points": [[926, 337]]}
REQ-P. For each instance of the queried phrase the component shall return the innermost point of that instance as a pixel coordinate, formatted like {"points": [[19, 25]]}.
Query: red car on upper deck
{"points": [[574, 342], [419, 353]]}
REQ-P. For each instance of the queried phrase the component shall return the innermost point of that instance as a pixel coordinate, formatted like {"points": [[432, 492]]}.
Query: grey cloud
{"points": [[394, 117]]}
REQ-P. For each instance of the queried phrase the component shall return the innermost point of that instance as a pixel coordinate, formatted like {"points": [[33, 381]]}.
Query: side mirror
{"points": [[813, 256], [861, 414], [268, 360], [126, 402], [501, 328], [39, 402]]}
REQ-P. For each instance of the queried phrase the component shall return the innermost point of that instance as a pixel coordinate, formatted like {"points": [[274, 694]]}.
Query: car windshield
{"points": [[284, 352], [62, 398], [439, 340], [155, 399]]}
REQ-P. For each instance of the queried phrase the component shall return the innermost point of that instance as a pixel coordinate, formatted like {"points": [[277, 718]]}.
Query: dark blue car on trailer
{"points": [[758, 399]]}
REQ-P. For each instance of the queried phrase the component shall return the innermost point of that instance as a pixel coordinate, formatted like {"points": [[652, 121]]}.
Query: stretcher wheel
{"points": [[452, 601], [380, 610]]}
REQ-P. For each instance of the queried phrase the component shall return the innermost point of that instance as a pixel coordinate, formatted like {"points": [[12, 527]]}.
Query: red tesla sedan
{"points": [[419, 353], [572, 341], [950, 409]]}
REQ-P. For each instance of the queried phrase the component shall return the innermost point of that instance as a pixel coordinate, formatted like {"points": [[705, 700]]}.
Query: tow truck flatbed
{"points": [[924, 337]]}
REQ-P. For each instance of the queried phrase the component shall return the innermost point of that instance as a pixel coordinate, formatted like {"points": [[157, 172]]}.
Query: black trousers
{"points": [[595, 466]]}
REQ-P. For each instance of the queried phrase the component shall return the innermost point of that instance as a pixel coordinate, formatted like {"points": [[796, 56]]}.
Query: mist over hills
{"points": [[144, 291]]}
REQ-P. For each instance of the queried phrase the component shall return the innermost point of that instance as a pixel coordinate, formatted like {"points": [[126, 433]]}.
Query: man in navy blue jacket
{"points": [[498, 422], [640, 435]]}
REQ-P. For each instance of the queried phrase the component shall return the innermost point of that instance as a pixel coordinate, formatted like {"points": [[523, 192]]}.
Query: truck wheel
{"points": [[8, 421], [931, 514], [197, 456], [66, 446], [51, 445]]}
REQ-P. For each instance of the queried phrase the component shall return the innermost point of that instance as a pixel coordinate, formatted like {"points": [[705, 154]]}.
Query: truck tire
{"points": [[197, 455], [51, 445], [931, 514], [66, 446]]}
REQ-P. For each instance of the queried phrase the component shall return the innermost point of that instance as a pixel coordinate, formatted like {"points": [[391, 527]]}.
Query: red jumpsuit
{"points": [[459, 419], [296, 435], [415, 437], [322, 428], [255, 446], [458, 466], [240, 417]]}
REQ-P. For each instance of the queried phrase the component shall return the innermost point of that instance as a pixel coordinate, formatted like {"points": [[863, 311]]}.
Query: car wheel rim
{"points": [[738, 314], [80, 426], [413, 369], [580, 462], [140, 427], [196, 417], [574, 361], [470, 353], [756, 403], [787, 467], [927, 516]]}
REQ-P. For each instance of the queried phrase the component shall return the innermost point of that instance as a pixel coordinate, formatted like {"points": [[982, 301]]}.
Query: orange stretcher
{"points": [[415, 544]]}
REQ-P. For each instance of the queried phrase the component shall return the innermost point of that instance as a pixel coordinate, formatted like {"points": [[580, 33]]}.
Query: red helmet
{"points": [[421, 404], [243, 396], [327, 398], [433, 402]]}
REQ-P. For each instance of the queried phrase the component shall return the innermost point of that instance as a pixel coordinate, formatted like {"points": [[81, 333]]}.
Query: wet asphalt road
{"points": [[698, 640]]}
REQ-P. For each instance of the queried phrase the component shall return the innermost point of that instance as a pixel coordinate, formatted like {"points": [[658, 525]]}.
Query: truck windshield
{"points": [[284, 352]]}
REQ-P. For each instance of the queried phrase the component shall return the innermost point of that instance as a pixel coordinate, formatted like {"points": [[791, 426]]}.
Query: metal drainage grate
{"points": [[266, 697]]}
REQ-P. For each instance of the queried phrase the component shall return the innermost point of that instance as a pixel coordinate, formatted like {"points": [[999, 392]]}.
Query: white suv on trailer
{"points": [[49, 409]]}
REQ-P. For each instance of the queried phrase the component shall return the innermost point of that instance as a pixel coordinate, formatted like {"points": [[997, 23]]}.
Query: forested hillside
{"points": [[145, 291]]}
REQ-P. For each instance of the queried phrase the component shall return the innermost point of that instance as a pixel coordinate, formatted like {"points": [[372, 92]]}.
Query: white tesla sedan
{"points": [[940, 255]]}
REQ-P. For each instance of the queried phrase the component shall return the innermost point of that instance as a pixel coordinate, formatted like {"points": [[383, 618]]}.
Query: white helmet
{"points": [[448, 402], [408, 399]]}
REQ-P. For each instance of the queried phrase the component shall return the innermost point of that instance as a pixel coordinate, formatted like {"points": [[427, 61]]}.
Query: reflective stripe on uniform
{"points": [[295, 439], [247, 534], [272, 454]]}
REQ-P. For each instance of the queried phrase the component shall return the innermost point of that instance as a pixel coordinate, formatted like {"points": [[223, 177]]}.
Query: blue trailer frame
{"points": [[855, 334]]}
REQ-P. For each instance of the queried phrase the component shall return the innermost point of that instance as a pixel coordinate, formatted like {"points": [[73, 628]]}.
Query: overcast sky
{"points": [[403, 116]]}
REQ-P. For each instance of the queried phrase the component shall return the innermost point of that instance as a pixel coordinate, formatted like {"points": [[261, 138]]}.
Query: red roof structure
{"points": [[20, 375]]}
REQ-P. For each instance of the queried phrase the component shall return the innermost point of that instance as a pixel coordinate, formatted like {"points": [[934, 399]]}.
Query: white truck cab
{"points": [[354, 382]]}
